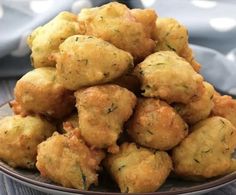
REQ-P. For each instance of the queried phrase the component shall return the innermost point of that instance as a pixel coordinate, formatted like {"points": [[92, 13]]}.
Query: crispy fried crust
{"points": [[207, 151], [171, 35], [116, 24], [169, 77], [39, 92], [224, 106], [155, 124], [19, 137], [45, 40], [71, 163], [137, 169], [102, 113], [199, 109], [86, 60]]}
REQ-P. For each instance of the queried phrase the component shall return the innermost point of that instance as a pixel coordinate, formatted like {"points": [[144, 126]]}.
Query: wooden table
{"points": [[10, 187]]}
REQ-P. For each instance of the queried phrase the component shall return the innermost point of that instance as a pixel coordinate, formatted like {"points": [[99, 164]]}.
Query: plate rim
{"points": [[219, 182]]}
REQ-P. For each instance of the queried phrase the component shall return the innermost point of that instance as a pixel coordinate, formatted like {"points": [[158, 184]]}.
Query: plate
{"points": [[107, 186]]}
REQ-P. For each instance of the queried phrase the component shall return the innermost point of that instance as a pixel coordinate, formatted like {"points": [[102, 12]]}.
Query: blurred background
{"points": [[210, 23]]}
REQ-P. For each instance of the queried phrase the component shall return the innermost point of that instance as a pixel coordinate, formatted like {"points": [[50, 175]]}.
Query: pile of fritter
{"points": [[118, 90]]}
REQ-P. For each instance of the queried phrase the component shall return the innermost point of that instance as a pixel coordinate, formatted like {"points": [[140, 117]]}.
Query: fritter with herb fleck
{"points": [[169, 77], [102, 112], [45, 40], [115, 23], [199, 109], [65, 159], [86, 60], [225, 106], [173, 36], [19, 138], [137, 169], [207, 151], [38, 91], [156, 125]]}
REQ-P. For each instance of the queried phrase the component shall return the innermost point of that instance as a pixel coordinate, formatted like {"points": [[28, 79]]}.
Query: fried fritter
{"points": [[199, 109], [86, 60], [156, 125], [173, 36], [169, 77], [45, 40], [65, 159], [19, 137], [225, 106], [147, 17], [115, 23], [207, 151], [137, 169], [102, 112], [39, 92]]}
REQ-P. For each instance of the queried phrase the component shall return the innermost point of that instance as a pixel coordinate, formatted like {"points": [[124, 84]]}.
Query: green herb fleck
{"points": [[112, 108], [185, 86], [77, 38], [171, 48], [83, 61], [106, 74], [206, 151], [116, 30], [223, 123], [121, 167], [158, 64], [150, 132], [196, 160], [141, 72]]}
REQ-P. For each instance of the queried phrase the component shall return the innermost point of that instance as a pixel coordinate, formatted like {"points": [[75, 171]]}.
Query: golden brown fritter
{"points": [[45, 40], [147, 17], [207, 151], [156, 125], [19, 137], [65, 159], [86, 60], [173, 36], [137, 169], [102, 112], [167, 76], [199, 109], [38, 91], [116, 24], [225, 106]]}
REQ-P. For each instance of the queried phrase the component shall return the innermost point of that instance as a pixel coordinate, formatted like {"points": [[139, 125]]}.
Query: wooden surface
{"points": [[10, 187]]}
